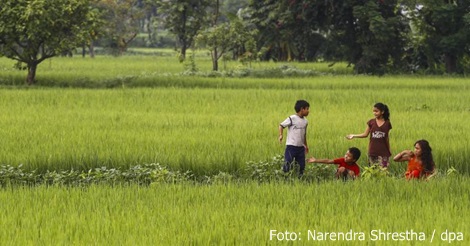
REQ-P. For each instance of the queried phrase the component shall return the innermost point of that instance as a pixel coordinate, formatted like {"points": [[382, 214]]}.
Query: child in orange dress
{"points": [[420, 161]]}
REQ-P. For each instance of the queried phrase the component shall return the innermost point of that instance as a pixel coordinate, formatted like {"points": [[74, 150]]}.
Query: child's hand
{"points": [[350, 136], [311, 159]]}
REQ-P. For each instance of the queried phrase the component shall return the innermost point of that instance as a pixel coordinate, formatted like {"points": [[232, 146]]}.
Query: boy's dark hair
{"points": [[300, 104], [355, 152]]}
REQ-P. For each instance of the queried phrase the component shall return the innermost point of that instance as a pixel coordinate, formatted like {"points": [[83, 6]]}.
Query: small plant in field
{"points": [[423, 107], [190, 67], [375, 172], [154, 173], [452, 171], [220, 178], [265, 171], [71, 177], [319, 172], [16, 175], [140, 174]]}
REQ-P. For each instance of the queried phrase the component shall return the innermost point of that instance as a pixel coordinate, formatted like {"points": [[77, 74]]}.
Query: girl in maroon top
{"points": [[378, 128]]}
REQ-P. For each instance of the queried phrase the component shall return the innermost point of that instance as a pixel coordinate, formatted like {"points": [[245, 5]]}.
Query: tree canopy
{"points": [[34, 30], [185, 18], [374, 36]]}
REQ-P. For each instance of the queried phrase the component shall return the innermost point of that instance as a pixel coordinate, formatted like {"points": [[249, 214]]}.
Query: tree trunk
{"points": [[215, 53], [31, 77], [92, 49], [451, 63], [182, 36], [183, 51], [84, 50], [215, 63]]}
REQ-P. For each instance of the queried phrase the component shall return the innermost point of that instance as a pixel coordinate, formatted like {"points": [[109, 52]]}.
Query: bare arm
{"points": [[362, 135], [405, 155], [305, 142], [388, 143], [281, 131], [326, 161]]}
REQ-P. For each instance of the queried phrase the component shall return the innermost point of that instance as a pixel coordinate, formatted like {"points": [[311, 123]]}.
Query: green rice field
{"points": [[353, 213], [134, 110]]}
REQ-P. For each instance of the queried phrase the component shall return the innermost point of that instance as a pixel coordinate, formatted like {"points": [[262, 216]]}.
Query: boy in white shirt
{"points": [[296, 142]]}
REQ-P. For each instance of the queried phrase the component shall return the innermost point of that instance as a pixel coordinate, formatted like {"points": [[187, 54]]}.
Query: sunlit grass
{"points": [[206, 124], [212, 125], [212, 130], [232, 214]]}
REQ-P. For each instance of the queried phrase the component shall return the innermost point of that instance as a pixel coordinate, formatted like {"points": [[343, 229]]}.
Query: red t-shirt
{"points": [[378, 144], [353, 166]]}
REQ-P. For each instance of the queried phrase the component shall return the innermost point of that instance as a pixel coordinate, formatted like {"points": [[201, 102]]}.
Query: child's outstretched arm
{"points": [[362, 135], [325, 161]]}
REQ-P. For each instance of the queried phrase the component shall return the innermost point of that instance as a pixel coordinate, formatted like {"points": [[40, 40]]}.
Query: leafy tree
{"points": [[274, 30], [32, 31], [185, 18], [233, 36], [289, 30], [381, 36], [229, 8], [352, 30], [122, 22], [370, 34], [443, 28]]}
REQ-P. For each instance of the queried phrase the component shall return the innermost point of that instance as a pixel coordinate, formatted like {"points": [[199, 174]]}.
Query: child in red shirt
{"points": [[347, 166]]}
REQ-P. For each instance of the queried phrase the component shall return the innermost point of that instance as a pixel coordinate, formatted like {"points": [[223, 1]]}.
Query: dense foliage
{"points": [[32, 31], [373, 36]]}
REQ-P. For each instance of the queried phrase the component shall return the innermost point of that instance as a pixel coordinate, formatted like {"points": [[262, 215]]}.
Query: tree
{"points": [[122, 19], [272, 19], [381, 36], [444, 30], [289, 30], [185, 18], [32, 31], [225, 37], [352, 30]]}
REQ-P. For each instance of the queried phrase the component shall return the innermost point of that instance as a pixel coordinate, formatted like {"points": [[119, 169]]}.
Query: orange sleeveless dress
{"points": [[414, 169]]}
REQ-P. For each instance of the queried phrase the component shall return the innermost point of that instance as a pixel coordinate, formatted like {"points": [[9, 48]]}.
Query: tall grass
{"points": [[208, 130], [217, 124], [242, 214], [214, 124], [131, 71]]}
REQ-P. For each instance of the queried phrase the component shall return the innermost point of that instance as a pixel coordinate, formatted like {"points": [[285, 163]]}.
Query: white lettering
{"points": [[281, 236], [378, 134], [450, 236], [335, 236], [379, 235]]}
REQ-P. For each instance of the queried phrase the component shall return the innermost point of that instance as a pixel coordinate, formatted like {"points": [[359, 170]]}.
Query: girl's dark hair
{"points": [[426, 155], [384, 108], [300, 104]]}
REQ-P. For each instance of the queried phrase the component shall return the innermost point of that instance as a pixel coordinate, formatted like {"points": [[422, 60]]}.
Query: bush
{"points": [[261, 172]]}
